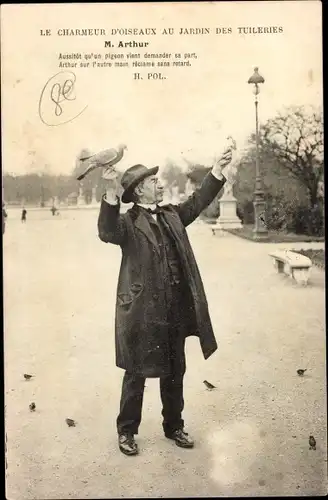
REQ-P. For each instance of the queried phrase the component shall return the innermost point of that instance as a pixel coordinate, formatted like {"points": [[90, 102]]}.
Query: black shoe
{"points": [[181, 438], [127, 444]]}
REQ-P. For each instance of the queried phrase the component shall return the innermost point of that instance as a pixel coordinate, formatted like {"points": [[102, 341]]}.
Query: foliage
{"points": [[317, 256], [247, 232], [295, 139], [277, 212], [291, 163], [303, 219], [245, 211], [196, 173], [173, 175], [212, 212], [35, 189]]}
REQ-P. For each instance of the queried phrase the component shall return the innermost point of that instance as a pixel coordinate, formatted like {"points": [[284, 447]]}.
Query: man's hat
{"points": [[132, 177]]}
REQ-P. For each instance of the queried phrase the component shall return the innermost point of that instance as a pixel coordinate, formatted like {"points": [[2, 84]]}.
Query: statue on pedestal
{"points": [[94, 199], [230, 173], [80, 199], [228, 204]]}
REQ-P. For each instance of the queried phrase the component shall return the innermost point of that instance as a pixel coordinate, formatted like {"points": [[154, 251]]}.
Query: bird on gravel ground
{"points": [[209, 386], [32, 406], [301, 372], [105, 159], [312, 443], [27, 376], [70, 422]]}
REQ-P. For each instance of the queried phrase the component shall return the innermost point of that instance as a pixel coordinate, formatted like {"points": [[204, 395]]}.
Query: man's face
{"points": [[150, 190]]}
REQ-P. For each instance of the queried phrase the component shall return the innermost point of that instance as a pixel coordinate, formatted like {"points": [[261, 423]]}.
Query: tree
{"points": [[37, 189], [90, 180], [173, 175], [196, 173], [295, 139]]}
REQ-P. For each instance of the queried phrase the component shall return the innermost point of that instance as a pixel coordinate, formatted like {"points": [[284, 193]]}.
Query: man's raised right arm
{"points": [[111, 224]]}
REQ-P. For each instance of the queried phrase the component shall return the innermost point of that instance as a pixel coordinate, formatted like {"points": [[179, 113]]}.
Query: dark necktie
{"points": [[156, 210]]}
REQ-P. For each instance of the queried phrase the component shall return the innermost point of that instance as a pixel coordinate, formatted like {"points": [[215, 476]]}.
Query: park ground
{"points": [[251, 432]]}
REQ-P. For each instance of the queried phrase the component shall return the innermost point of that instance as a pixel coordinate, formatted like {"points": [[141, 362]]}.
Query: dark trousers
{"points": [[171, 386]]}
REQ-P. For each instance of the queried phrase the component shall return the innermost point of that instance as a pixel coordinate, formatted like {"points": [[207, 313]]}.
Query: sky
{"points": [[186, 116]]}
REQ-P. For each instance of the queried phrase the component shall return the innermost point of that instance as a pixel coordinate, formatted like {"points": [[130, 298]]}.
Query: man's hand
{"points": [[110, 175], [222, 162]]}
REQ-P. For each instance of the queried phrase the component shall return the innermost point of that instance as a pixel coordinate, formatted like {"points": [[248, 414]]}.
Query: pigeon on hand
{"points": [[70, 422], [312, 443], [209, 386], [27, 376], [301, 372], [32, 406], [107, 158]]}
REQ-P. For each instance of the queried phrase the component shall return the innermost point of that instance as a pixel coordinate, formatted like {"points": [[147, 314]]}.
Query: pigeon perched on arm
{"points": [[105, 159]]}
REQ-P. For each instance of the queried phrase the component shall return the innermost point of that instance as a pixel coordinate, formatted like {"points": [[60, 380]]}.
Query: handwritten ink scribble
{"points": [[58, 102]]}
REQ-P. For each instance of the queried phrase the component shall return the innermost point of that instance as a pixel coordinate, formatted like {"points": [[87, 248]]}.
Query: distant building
{"points": [[72, 199]]}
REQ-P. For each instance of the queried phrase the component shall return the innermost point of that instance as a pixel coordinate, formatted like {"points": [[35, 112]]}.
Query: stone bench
{"points": [[293, 264]]}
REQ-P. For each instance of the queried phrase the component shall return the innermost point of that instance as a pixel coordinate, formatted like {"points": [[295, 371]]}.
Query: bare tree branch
{"points": [[295, 138]]}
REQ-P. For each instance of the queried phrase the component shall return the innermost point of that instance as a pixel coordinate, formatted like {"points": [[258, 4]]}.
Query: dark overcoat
{"points": [[142, 318], [4, 216]]}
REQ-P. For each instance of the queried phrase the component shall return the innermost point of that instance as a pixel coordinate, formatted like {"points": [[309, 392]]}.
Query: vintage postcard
{"points": [[164, 254]]}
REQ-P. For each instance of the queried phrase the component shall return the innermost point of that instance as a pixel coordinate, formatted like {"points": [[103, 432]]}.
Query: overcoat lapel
{"points": [[143, 224]]}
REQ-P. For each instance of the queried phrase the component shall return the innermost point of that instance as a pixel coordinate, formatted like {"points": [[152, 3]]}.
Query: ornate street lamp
{"points": [[260, 229]]}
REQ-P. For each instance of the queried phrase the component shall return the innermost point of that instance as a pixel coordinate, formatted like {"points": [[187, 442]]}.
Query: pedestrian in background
{"points": [[24, 212]]}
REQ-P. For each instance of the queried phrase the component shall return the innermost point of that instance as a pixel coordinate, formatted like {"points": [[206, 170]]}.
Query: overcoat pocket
{"points": [[126, 298]]}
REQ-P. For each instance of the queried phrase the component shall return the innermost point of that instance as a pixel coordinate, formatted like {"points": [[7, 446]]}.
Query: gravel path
{"points": [[251, 432]]}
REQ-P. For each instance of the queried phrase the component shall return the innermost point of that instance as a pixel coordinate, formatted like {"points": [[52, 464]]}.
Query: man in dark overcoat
{"points": [[4, 217], [160, 295]]}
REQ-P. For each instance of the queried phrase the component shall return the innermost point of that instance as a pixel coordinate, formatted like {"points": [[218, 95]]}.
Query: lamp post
{"points": [[260, 229]]}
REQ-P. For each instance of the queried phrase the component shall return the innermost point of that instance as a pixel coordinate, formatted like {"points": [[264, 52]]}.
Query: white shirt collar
{"points": [[152, 206]]}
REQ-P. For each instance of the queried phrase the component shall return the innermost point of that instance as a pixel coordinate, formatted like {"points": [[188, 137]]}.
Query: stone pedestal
{"points": [[228, 214]]}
